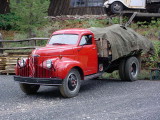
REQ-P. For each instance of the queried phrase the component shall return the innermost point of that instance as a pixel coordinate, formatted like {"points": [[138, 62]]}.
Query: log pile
{"points": [[2, 62], [9, 60]]}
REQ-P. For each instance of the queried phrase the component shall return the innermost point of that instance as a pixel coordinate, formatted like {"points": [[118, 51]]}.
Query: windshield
{"points": [[61, 39]]}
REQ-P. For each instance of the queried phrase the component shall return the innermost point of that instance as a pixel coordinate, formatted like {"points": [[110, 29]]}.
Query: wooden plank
{"points": [[7, 71], [10, 68], [17, 53], [11, 63], [16, 57], [31, 39], [2, 63], [3, 55], [19, 48], [11, 60], [15, 40]]}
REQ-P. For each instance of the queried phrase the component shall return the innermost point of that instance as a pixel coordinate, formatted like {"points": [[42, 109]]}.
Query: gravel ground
{"points": [[97, 100]]}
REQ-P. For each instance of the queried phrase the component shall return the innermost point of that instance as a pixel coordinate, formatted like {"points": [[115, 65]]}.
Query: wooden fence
{"points": [[2, 48], [9, 58]]}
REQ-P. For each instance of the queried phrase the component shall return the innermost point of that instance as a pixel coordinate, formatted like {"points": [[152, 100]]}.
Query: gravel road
{"points": [[97, 100]]}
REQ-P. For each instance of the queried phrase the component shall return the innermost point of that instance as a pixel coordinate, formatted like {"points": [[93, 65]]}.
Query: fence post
{"points": [[1, 44]]}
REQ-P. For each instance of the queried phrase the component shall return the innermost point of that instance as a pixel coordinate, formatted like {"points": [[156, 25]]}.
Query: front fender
{"points": [[64, 65], [124, 2]]}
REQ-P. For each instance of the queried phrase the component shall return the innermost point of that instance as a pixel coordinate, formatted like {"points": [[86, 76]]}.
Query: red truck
{"points": [[73, 55]]}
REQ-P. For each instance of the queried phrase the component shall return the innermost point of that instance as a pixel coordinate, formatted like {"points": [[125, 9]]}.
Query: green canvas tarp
{"points": [[123, 40]]}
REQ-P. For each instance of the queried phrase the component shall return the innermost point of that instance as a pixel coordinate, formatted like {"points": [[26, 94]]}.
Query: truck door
{"points": [[137, 4], [87, 54]]}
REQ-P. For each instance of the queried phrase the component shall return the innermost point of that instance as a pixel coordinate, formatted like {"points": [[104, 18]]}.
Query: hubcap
{"points": [[117, 7], [72, 82], [134, 70]]}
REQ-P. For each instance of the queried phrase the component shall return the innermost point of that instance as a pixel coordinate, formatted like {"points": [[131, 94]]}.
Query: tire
{"points": [[132, 67], [71, 84], [29, 89], [159, 10], [116, 7], [122, 69]]}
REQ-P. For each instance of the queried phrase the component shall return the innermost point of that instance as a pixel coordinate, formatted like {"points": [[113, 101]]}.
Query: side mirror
{"points": [[90, 36]]}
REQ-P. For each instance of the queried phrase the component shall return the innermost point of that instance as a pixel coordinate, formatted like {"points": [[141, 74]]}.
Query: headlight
{"points": [[22, 62], [49, 63]]}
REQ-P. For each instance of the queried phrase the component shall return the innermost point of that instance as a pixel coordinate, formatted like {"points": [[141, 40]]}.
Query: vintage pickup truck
{"points": [[117, 6], [72, 55]]}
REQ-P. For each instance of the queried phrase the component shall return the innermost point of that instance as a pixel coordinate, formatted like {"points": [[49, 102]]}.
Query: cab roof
{"points": [[73, 31]]}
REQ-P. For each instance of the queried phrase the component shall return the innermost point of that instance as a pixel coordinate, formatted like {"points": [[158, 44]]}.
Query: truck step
{"points": [[89, 77]]}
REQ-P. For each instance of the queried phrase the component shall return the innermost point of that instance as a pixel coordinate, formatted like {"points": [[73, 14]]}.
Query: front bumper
{"points": [[38, 81]]}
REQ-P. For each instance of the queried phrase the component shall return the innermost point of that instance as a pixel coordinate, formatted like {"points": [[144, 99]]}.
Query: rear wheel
{"points": [[122, 69], [28, 88], [71, 84], [132, 67], [116, 7]]}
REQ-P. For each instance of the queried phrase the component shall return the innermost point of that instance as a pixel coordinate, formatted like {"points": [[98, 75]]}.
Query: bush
{"points": [[151, 61], [7, 21], [32, 14]]}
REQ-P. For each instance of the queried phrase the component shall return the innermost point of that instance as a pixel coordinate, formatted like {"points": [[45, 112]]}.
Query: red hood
{"points": [[54, 50]]}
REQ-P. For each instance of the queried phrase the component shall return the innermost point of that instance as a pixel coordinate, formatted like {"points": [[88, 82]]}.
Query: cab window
{"points": [[86, 40]]}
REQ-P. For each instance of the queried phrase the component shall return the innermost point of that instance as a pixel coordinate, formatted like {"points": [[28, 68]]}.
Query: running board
{"points": [[89, 77]]}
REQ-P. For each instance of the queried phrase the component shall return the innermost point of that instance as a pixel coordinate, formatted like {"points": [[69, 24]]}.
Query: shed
{"points": [[76, 7]]}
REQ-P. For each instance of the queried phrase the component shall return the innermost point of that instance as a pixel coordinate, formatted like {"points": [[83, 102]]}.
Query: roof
{"points": [[72, 31]]}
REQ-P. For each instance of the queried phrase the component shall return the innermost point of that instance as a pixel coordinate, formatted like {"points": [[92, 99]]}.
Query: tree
{"points": [[31, 13], [4, 6]]}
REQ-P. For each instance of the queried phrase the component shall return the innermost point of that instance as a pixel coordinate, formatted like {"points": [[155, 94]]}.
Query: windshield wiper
{"points": [[58, 44]]}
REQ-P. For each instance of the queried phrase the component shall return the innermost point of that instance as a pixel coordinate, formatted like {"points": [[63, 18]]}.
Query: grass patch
{"points": [[114, 75], [144, 75]]}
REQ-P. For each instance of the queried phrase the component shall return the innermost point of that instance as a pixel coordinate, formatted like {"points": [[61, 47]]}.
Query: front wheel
{"points": [[28, 88], [116, 7], [71, 84]]}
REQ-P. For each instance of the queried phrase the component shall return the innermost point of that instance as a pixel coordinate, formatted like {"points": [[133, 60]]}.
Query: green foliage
{"points": [[151, 61], [32, 13], [7, 21], [115, 20], [114, 75], [144, 75], [156, 56], [97, 23]]}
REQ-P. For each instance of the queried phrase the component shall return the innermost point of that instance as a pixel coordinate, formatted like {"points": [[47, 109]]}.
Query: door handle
{"points": [[94, 48]]}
